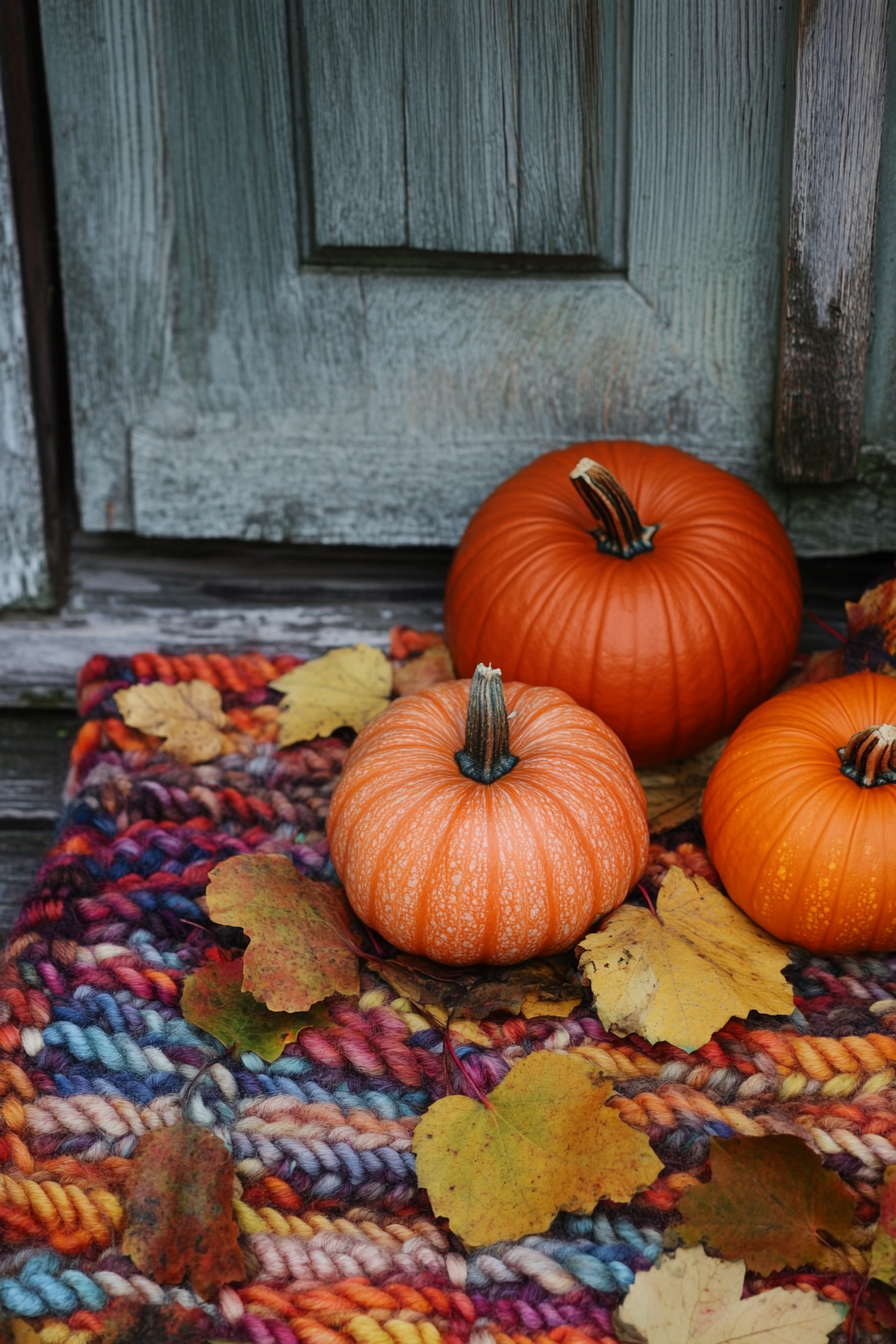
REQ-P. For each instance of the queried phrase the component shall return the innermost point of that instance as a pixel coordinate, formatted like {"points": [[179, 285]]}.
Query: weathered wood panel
{"points": [[24, 575], [841, 72], [472, 126], [300, 403], [879, 417]]}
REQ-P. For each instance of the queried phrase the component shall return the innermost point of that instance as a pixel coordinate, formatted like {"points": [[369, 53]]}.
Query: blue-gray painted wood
{"points": [[312, 404], [24, 575]]}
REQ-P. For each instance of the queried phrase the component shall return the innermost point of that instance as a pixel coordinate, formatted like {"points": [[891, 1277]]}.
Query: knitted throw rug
{"points": [[340, 1244]]}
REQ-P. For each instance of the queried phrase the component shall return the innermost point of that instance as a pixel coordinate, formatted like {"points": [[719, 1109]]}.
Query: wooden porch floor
{"points": [[129, 594]]}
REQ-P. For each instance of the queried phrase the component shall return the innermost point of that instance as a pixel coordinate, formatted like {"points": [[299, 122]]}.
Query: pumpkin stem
{"points": [[869, 757], [621, 531], [486, 754]]}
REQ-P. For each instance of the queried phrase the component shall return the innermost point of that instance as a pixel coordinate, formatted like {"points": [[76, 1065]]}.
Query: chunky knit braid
{"points": [[340, 1244]]}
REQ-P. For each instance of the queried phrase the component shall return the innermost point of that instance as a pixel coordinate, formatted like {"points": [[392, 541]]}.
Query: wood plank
{"points": [[34, 747], [24, 571], [460, 127], [840, 85], [20, 856], [354, 88]]}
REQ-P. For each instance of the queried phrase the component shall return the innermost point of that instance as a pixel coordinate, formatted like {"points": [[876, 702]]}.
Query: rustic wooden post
{"points": [[840, 79]]}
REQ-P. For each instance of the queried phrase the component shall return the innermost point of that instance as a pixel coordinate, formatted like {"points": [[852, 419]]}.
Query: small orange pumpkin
{"points": [[800, 815], [458, 848], [670, 630]]}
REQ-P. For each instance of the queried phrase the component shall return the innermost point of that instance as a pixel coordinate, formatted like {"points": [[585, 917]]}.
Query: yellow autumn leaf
{"points": [[680, 974], [693, 1298], [345, 688], [546, 1141], [189, 716]]}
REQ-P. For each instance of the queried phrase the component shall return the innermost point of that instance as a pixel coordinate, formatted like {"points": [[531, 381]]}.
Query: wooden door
{"points": [[334, 268]]}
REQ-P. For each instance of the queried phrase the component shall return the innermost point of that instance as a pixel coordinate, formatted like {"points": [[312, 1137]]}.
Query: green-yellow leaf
{"points": [[346, 688], [691, 1298], [679, 975], [213, 998], [299, 937], [545, 1142], [189, 716]]}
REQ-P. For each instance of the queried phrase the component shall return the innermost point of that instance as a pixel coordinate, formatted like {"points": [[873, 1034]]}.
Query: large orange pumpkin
{"points": [[800, 815], [466, 839], [674, 616]]}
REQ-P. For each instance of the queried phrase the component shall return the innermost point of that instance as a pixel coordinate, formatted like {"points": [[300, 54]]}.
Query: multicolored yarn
{"points": [[341, 1246]]}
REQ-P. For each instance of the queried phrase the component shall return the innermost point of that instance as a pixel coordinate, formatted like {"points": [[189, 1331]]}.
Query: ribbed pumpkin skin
{"points": [[670, 648], [805, 851], [464, 872]]}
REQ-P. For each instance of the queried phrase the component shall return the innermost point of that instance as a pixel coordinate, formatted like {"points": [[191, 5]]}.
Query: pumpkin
{"points": [[670, 629], [466, 840], [800, 815]]}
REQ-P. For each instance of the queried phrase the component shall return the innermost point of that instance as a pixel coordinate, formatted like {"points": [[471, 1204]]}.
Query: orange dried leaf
{"points": [[405, 640], [179, 1209], [432, 667], [299, 936], [213, 998], [871, 630], [130, 1320], [546, 1141], [188, 716], [771, 1202]]}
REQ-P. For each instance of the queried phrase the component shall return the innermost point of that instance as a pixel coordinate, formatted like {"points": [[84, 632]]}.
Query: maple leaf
{"points": [[768, 1203], [883, 1248], [130, 1320], [299, 937], [679, 975], [179, 1209], [674, 792], [432, 667], [690, 1298], [213, 998], [346, 688], [188, 716], [543, 986], [544, 1142]]}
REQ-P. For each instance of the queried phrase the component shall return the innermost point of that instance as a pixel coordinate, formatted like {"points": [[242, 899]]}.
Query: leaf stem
{"points": [[650, 905], [192, 1085], [464, 1072]]}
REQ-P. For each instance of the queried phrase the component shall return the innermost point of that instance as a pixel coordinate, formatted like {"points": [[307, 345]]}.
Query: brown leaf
{"points": [[130, 1320], [679, 975], [674, 792], [433, 666], [299, 937], [213, 998], [769, 1202], [546, 986], [179, 1209], [188, 716], [345, 688], [689, 1298], [545, 1141], [871, 631], [883, 1249]]}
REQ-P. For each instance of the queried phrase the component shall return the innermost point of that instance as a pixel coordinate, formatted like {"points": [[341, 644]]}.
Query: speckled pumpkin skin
{"points": [[805, 851], [464, 872]]}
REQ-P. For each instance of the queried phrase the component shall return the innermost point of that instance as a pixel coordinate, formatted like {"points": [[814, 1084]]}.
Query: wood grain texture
{"points": [[879, 416], [841, 72], [24, 574], [304, 403]]}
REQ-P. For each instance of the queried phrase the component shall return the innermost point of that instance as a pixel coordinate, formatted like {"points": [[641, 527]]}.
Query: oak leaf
{"points": [[213, 998], [772, 1203], [674, 792], [188, 716], [180, 1209], [693, 1299], [545, 1141], [541, 987], [432, 667], [680, 974], [346, 688], [883, 1248], [299, 936]]}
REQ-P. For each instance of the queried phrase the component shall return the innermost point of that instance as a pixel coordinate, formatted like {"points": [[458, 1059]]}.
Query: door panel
{"points": [[225, 388]]}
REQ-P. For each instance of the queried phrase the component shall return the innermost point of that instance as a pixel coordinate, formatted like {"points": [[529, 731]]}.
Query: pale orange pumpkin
{"points": [[800, 815], [466, 839]]}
